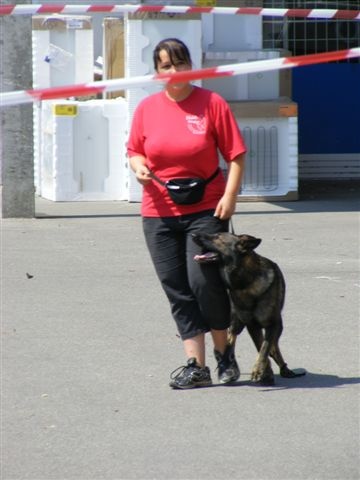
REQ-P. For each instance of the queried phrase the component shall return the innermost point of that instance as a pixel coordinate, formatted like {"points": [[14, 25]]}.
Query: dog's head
{"points": [[224, 247]]}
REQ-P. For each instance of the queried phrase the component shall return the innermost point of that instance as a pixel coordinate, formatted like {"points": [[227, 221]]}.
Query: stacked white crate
{"points": [[142, 33], [260, 102], [63, 54], [252, 86], [82, 144]]}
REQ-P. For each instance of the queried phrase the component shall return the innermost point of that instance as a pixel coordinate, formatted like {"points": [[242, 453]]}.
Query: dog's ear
{"points": [[255, 242], [249, 243]]}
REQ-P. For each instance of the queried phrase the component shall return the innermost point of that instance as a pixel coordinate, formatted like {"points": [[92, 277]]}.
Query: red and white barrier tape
{"points": [[38, 9], [29, 96]]}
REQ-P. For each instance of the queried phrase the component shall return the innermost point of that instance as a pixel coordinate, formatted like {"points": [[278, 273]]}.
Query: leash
{"points": [[231, 225]]}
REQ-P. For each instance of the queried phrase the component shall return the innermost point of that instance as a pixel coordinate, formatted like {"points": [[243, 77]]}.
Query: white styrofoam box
{"points": [[83, 154], [62, 54], [231, 32], [63, 50], [141, 37], [252, 86], [271, 165]]}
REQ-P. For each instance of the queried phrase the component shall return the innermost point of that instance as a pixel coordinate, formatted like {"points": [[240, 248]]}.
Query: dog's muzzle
{"points": [[208, 257]]}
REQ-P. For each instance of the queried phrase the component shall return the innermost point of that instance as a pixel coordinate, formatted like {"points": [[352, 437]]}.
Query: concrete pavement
{"points": [[88, 345]]}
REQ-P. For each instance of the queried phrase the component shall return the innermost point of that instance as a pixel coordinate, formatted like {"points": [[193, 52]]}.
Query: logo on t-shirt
{"points": [[196, 125]]}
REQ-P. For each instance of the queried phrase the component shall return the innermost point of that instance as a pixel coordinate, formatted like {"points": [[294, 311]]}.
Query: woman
{"points": [[175, 134]]}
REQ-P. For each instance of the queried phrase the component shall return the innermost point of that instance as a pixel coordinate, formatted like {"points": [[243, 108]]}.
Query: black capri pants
{"points": [[198, 299]]}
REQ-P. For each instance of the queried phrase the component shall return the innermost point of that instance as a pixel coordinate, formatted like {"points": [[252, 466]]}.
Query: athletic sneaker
{"points": [[228, 369], [190, 376]]}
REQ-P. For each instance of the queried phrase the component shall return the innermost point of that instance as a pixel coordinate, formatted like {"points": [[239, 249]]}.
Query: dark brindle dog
{"points": [[257, 291]]}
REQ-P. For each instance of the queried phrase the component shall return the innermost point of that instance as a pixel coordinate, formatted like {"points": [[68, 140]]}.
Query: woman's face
{"points": [[165, 65]]}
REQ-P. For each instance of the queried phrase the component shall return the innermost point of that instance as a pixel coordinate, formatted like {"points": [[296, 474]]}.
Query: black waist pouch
{"points": [[186, 191]]}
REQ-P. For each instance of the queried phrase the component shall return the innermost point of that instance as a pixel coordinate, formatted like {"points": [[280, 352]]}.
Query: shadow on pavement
{"points": [[310, 380]]}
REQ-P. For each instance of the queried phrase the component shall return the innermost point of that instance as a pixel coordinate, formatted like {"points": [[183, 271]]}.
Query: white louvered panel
{"points": [[262, 166], [271, 164]]}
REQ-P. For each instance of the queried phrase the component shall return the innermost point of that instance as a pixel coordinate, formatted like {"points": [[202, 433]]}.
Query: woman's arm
{"points": [[227, 204]]}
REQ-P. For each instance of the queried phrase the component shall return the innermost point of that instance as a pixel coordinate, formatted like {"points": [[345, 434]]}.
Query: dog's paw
{"points": [[265, 378], [287, 373], [264, 381], [267, 382]]}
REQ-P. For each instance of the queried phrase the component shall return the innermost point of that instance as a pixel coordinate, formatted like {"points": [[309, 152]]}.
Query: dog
{"points": [[256, 289]]}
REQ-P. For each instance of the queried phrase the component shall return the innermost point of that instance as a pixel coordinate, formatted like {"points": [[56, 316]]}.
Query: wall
{"points": [[16, 154], [329, 107]]}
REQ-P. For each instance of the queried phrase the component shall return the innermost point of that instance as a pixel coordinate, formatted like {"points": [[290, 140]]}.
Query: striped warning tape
{"points": [[39, 9], [91, 88]]}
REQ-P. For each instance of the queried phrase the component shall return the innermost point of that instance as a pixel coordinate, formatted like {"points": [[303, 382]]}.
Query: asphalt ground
{"points": [[88, 345]]}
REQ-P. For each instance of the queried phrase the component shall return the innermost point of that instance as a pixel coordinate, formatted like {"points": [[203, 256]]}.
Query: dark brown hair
{"points": [[175, 48]]}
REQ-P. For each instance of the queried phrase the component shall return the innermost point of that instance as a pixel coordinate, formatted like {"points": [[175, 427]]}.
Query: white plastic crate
{"points": [[271, 166], [141, 37], [63, 51], [62, 54], [272, 160], [82, 150], [253, 86]]}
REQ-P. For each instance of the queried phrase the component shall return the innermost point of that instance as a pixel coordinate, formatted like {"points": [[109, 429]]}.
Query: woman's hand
{"points": [[227, 203], [138, 166], [142, 175], [226, 206]]}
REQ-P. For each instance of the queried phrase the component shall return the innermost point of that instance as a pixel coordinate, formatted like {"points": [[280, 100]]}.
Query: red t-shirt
{"points": [[181, 139]]}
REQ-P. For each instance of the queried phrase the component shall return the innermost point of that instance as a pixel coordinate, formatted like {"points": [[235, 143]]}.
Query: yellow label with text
{"points": [[205, 3], [65, 110]]}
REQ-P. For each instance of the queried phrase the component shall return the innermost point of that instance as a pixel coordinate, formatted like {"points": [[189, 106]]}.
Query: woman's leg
{"points": [[220, 340], [195, 348], [166, 243]]}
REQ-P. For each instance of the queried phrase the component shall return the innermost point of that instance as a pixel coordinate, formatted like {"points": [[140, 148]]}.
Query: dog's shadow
{"points": [[310, 380]]}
